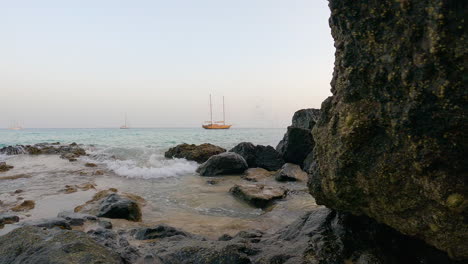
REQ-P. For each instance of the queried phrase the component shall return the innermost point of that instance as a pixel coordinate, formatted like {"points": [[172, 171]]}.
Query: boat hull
{"points": [[215, 126]]}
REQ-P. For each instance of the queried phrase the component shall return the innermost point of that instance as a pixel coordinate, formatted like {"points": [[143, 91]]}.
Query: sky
{"points": [[87, 63]]}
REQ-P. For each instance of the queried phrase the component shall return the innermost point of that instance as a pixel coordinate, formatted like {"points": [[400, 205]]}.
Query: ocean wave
{"points": [[141, 162]]}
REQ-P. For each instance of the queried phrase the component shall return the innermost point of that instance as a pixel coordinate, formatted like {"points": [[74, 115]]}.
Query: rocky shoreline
{"points": [[384, 155]]}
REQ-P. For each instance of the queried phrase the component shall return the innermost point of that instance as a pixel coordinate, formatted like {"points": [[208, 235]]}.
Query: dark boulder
{"points": [[116, 206], [110, 204], [227, 163], [259, 156], [31, 245], [44, 148], [298, 142], [391, 143], [198, 153], [305, 118], [6, 218], [258, 195]]}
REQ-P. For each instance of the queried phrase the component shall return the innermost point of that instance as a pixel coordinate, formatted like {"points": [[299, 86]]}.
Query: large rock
{"points": [[258, 195], [198, 153], [256, 174], [110, 204], [227, 163], [259, 156], [31, 245], [159, 231], [391, 141], [297, 143]]}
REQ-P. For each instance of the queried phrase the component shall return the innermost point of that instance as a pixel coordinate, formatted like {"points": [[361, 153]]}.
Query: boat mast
{"points": [[211, 111]]}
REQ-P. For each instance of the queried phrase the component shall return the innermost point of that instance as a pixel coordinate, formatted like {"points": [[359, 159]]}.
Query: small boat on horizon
{"points": [[124, 126], [15, 126], [216, 124]]}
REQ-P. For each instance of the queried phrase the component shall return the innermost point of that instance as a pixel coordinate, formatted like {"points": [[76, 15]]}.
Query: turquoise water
{"points": [[138, 137]]}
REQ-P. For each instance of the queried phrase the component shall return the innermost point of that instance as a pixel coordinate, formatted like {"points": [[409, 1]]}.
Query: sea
{"points": [[132, 161]]}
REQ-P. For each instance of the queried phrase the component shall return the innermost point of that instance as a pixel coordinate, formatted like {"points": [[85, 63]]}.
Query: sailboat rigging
{"points": [[216, 124]]}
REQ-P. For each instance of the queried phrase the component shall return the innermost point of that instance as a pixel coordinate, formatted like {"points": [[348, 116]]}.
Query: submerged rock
{"points": [[76, 219], [53, 246], [391, 141], [45, 148], [265, 157], [159, 231], [4, 167], [24, 206], [6, 218], [291, 172], [108, 203], [258, 195], [90, 165], [223, 164], [198, 153], [256, 174], [49, 223]]}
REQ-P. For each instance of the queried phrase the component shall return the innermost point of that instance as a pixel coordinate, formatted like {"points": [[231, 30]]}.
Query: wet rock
{"points": [[256, 174], [14, 177], [259, 156], [70, 189], [227, 163], [49, 223], [391, 141], [53, 246], [105, 224], [90, 165], [258, 195], [18, 191], [4, 167], [198, 153], [76, 219], [6, 218], [98, 172], [12, 150], [159, 231], [291, 172], [24, 206], [297, 143], [109, 204], [44, 148], [118, 243]]}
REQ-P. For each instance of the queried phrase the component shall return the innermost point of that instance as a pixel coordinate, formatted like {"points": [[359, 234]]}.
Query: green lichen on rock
{"points": [[391, 141]]}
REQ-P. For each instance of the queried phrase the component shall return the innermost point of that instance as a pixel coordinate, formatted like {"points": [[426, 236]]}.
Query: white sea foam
{"points": [[143, 163]]}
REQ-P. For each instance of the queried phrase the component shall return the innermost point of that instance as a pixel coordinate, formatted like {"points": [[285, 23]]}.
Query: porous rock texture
{"points": [[390, 143], [198, 153]]}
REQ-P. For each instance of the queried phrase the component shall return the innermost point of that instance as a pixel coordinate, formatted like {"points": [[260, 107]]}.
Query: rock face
{"points": [[258, 195], [297, 143], [291, 172], [391, 141], [198, 153], [30, 245], [109, 204], [259, 156], [223, 164], [159, 231]]}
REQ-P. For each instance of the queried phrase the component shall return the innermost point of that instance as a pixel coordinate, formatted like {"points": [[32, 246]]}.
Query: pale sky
{"points": [[86, 63]]}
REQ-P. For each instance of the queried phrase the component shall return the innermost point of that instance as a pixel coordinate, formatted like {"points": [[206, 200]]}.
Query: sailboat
{"points": [[124, 126], [15, 126], [217, 124]]}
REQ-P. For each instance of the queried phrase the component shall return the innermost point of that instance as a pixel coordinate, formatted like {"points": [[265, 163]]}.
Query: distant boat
{"points": [[217, 124], [124, 126], [15, 126]]}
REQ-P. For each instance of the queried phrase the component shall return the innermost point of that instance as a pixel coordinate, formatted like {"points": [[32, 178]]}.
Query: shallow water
{"points": [[132, 161]]}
